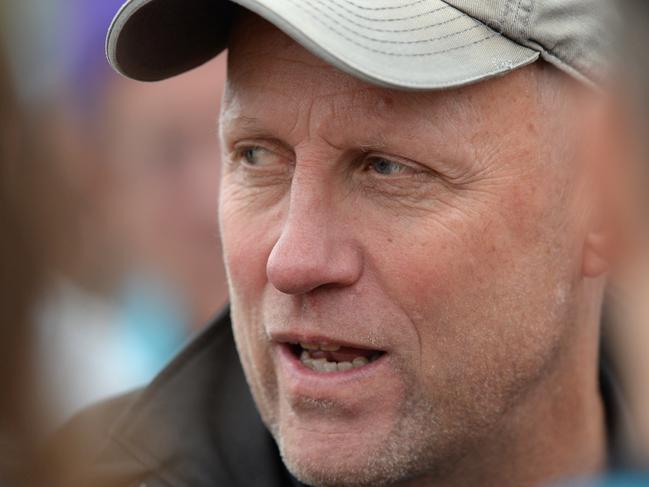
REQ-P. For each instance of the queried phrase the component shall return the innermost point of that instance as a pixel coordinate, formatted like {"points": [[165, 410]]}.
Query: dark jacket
{"points": [[196, 426]]}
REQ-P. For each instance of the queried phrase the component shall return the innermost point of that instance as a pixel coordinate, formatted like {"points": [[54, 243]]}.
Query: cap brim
{"points": [[417, 44]]}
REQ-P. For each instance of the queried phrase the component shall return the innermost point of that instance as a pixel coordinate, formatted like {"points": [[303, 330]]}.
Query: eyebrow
{"points": [[251, 125], [247, 122], [255, 127], [377, 142]]}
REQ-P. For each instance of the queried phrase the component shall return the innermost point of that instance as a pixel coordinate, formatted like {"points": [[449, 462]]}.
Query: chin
{"points": [[326, 466], [323, 457]]}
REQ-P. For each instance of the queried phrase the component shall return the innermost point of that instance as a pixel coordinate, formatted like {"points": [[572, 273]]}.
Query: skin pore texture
{"points": [[448, 230]]}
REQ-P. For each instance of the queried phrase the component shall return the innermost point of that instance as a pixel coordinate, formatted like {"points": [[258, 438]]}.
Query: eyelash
{"points": [[239, 153], [372, 163], [406, 169]]}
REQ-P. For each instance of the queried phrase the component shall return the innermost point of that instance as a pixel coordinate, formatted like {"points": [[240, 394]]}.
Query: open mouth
{"points": [[327, 358]]}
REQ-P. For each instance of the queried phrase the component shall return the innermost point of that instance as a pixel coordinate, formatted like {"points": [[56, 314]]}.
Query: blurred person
{"points": [[626, 328], [161, 146], [156, 158], [16, 290], [628, 333], [95, 296], [23, 182], [414, 232], [133, 248]]}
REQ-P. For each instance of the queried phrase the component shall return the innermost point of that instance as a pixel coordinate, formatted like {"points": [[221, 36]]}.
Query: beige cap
{"points": [[407, 44]]}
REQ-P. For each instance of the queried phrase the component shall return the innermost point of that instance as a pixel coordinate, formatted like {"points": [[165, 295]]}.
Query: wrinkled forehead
{"points": [[259, 51], [248, 29], [272, 75]]}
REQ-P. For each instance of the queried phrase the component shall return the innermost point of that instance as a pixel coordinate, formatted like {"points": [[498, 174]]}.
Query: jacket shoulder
{"points": [[100, 445], [195, 425], [93, 423], [83, 441]]}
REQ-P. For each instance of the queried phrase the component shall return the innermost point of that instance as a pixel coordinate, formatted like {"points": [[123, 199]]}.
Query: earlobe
{"points": [[596, 255]]}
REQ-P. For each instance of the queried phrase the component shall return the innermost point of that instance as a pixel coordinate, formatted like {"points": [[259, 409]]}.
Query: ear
{"points": [[612, 151], [605, 226], [597, 254]]}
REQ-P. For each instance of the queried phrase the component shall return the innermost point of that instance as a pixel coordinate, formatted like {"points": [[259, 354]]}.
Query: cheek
{"points": [[248, 237], [248, 234], [256, 361], [484, 293], [427, 264]]}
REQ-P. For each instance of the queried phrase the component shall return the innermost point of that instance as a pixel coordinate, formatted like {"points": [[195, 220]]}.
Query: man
{"points": [[416, 248]]}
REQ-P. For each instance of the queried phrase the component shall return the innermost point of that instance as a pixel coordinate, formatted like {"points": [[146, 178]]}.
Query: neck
{"points": [[557, 431]]}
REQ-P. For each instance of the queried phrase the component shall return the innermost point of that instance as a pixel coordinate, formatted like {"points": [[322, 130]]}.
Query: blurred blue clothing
{"points": [[630, 479], [625, 480], [92, 347], [154, 326]]}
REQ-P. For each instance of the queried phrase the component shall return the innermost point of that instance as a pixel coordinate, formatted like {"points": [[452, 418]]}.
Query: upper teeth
{"points": [[323, 365]]}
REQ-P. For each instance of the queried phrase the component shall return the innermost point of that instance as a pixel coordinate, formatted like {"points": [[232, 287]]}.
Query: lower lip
{"points": [[303, 375]]}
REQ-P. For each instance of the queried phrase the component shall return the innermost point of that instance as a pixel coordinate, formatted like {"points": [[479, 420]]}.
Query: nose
{"points": [[315, 249]]}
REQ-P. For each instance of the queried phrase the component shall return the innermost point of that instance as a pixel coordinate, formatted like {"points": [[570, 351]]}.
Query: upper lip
{"points": [[303, 337]]}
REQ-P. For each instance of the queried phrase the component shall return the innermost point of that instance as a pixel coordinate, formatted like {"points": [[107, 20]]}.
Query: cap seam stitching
{"points": [[516, 12], [394, 19], [388, 53], [376, 9], [409, 83], [365, 73], [399, 31], [386, 41]]}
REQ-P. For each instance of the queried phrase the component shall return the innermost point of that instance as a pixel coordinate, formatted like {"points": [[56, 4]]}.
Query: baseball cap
{"points": [[406, 44]]}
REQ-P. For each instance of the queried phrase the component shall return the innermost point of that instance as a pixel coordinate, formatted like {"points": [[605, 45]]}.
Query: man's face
{"points": [[429, 235]]}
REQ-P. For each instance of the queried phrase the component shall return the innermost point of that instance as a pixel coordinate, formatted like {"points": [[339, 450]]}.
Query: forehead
{"points": [[270, 74], [256, 46]]}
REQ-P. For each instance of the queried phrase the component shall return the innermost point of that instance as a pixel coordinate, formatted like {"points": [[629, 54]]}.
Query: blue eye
{"points": [[251, 155], [386, 167], [258, 157]]}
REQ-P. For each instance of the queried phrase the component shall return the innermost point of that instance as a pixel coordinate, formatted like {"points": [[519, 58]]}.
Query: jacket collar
{"points": [[196, 425]]}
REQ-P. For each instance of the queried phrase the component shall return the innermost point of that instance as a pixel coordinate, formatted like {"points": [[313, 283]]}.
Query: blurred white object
{"points": [[91, 348]]}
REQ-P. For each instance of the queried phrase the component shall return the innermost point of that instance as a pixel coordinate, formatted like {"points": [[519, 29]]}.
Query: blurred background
{"points": [[108, 214], [109, 250]]}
